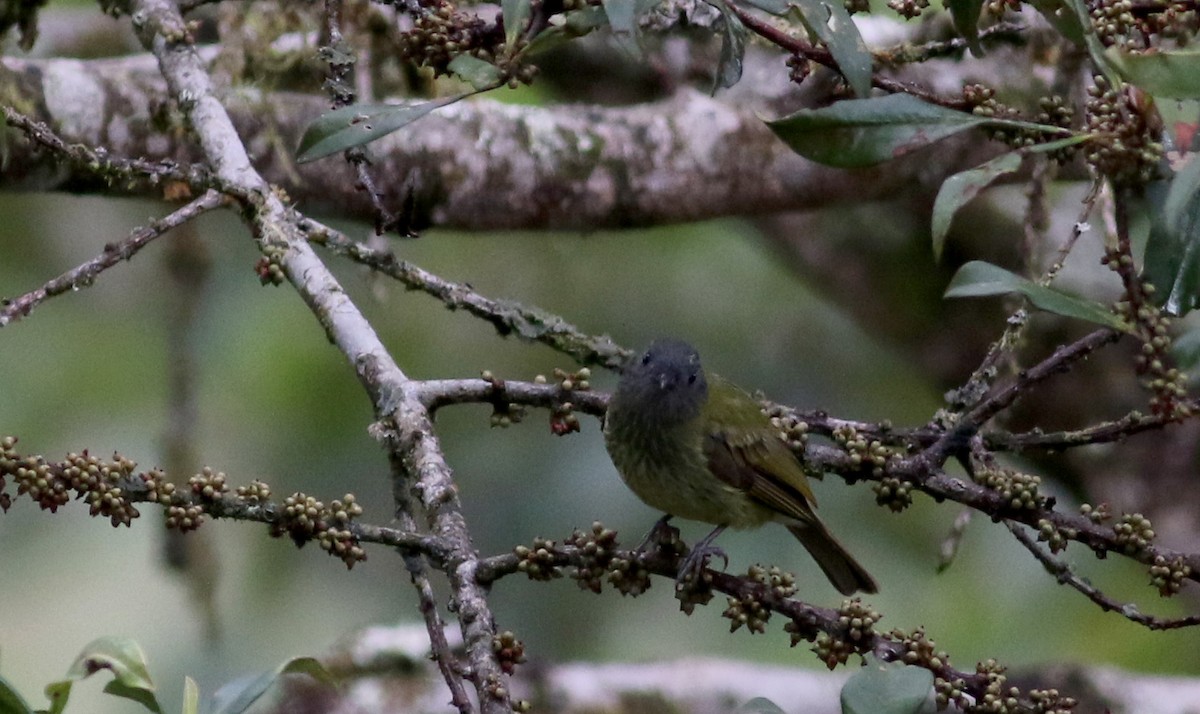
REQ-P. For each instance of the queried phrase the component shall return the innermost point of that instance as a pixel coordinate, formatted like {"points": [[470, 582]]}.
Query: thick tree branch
{"points": [[478, 164]]}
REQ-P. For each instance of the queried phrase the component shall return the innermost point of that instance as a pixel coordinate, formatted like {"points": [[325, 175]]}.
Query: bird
{"points": [[695, 445]]}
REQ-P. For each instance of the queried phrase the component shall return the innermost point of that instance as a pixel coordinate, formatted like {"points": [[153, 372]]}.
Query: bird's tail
{"points": [[839, 566]]}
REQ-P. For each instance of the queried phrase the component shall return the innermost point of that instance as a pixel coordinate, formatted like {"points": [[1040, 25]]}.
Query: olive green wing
{"points": [[745, 450]]}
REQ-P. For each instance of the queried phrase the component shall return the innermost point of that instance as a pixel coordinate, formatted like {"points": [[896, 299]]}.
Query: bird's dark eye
{"points": [[646, 358], [692, 378]]}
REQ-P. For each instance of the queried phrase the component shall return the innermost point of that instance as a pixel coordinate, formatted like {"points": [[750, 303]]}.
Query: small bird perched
{"points": [[699, 447]]}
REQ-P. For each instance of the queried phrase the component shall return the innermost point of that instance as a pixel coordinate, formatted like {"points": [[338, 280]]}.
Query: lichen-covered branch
{"points": [[478, 165]]}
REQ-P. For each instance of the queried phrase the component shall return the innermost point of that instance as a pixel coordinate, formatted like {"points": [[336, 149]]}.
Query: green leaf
{"points": [[1173, 73], [11, 702], [965, 14], [733, 47], [959, 189], [516, 15], [862, 132], [576, 23], [760, 705], [1062, 18], [481, 75], [887, 689], [980, 279], [237, 696], [829, 21], [359, 124], [1173, 248], [119, 655], [191, 696]]}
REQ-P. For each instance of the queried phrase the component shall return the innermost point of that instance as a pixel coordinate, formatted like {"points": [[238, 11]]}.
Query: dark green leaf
{"points": [[359, 124], [861, 132], [965, 14], [733, 47], [980, 279], [481, 75], [887, 689], [516, 15], [960, 188], [11, 701], [829, 21], [119, 655], [1173, 248], [1164, 74], [236, 697]]}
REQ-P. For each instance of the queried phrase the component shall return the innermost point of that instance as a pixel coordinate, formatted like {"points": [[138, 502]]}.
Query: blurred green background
{"points": [[278, 403]]}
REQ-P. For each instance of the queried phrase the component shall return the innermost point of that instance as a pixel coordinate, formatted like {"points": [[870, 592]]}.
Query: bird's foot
{"points": [[692, 569], [662, 536]]}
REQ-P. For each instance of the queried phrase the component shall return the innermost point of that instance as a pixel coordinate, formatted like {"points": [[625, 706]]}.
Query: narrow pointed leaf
{"points": [[1173, 248], [236, 697], [830, 22], [11, 702], [958, 190], [733, 48], [980, 279], [862, 132], [516, 16], [191, 696], [359, 124], [1174, 73]]}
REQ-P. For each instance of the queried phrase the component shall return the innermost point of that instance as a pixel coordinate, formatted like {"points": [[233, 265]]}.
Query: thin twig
{"points": [[85, 275], [115, 169], [508, 317], [1061, 359], [1066, 575]]}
